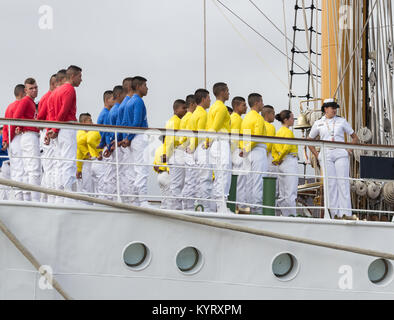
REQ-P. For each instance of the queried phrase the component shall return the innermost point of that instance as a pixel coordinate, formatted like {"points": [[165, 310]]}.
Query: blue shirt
{"points": [[135, 115], [102, 119], [2, 152], [112, 119], [119, 120]]}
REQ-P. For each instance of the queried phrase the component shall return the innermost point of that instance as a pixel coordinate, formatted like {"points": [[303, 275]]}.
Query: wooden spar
{"points": [[365, 71]]}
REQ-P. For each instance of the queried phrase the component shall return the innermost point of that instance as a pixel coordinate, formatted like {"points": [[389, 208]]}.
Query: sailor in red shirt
{"points": [[55, 165], [30, 141], [65, 108], [13, 143], [46, 149]]}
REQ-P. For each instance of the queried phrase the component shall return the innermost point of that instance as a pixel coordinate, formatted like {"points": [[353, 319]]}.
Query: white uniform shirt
{"points": [[333, 129]]}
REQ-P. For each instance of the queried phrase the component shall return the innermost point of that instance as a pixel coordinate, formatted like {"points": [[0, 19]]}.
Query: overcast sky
{"points": [[161, 40]]}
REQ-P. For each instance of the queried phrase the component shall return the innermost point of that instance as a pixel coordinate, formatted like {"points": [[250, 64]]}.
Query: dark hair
{"points": [[190, 99], [254, 98], [284, 115], [107, 94], [72, 71], [137, 81], [61, 75], [237, 101], [229, 109], [267, 109], [200, 94], [332, 104], [19, 89], [178, 103], [118, 90], [30, 81], [127, 83], [83, 115], [219, 87]]}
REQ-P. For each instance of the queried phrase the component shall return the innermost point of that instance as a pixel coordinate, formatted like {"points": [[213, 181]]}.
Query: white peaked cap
{"points": [[331, 100]]}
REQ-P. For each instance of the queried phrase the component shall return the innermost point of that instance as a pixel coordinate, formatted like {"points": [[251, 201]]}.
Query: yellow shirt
{"points": [[82, 148], [218, 118], [184, 126], [236, 123], [157, 161], [171, 142], [279, 151], [271, 132], [253, 124], [93, 140], [198, 122]]}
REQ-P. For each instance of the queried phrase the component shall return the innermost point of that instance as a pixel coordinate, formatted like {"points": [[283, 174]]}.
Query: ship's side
{"points": [[84, 248]]}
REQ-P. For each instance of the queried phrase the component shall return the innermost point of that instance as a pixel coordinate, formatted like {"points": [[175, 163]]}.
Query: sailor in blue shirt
{"points": [[102, 118], [135, 116]]}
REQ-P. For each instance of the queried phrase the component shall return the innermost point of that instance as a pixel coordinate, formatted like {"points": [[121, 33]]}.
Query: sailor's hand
{"points": [[79, 175], [46, 140], [18, 131], [100, 156], [163, 158], [106, 153], [112, 147], [5, 146], [126, 143], [188, 150], [350, 152]]}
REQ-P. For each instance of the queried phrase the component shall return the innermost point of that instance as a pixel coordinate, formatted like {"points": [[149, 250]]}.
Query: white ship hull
{"points": [[84, 247]]}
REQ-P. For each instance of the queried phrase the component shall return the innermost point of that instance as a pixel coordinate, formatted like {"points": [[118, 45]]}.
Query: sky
{"points": [[161, 40]]}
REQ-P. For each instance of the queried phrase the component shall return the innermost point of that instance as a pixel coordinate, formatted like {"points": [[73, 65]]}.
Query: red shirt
{"points": [[26, 109], [43, 107], [64, 103], [9, 114]]}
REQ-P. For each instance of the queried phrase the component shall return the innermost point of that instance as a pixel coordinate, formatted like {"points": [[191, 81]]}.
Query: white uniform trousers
{"points": [[239, 164], [98, 172], [190, 187], [220, 156], [16, 165], [47, 164], [204, 180], [30, 145], [5, 174], [163, 178], [67, 140], [110, 178], [288, 185], [127, 175], [140, 156], [253, 190], [177, 178], [57, 181], [338, 190], [85, 185]]}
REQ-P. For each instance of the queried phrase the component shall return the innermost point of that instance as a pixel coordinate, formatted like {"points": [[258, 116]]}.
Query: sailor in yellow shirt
{"points": [[239, 108], [163, 177], [219, 149], [254, 154], [268, 114], [84, 169], [286, 158], [174, 154], [199, 176]]}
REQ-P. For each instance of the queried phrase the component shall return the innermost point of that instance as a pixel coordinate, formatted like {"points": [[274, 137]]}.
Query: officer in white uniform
{"points": [[333, 128]]}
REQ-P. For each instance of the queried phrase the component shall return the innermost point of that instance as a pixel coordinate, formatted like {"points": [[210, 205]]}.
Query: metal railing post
{"points": [[325, 183], [117, 167]]}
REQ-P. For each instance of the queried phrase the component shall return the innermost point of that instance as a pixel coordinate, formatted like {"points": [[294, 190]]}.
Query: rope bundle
{"points": [[388, 193]]}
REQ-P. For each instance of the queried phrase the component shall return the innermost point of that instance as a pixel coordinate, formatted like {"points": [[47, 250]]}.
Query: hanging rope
{"points": [[197, 220]]}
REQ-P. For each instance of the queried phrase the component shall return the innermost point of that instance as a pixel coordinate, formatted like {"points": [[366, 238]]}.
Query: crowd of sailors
{"points": [[191, 171]]}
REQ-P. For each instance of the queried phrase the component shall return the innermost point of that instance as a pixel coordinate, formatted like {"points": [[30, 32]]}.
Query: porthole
{"points": [[380, 272], [136, 256], [189, 260], [285, 266]]}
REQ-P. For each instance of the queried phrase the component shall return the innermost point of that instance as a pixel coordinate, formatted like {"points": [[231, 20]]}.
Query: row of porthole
{"points": [[285, 266]]}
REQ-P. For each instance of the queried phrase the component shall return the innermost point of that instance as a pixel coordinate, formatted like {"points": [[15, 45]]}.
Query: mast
{"points": [[365, 71], [205, 43]]}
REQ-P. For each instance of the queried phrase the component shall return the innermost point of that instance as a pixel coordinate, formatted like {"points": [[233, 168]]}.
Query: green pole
{"points": [[233, 193], [269, 195]]}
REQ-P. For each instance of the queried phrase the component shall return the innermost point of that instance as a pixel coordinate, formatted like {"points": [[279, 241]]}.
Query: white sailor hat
{"points": [[329, 103]]}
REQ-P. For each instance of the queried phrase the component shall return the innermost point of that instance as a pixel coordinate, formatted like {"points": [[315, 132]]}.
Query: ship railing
{"points": [[153, 135]]}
